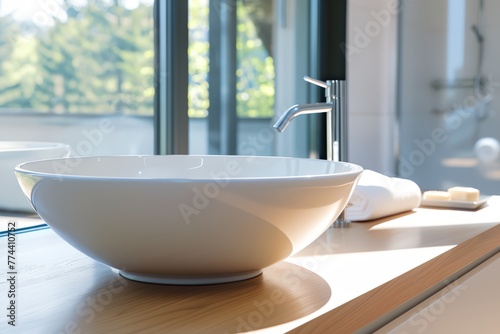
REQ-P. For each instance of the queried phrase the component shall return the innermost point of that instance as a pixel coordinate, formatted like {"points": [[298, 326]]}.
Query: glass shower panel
{"points": [[448, 77]]}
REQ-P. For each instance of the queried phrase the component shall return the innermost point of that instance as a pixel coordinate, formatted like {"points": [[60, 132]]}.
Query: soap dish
{"points": [[466, 205]]}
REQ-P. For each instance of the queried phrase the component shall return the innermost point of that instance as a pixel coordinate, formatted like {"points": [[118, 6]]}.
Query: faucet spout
{"points": [[300, 109], [336, 127]]}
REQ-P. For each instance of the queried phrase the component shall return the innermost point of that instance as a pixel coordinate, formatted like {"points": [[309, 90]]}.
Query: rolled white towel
{"points": [[376, 196]]}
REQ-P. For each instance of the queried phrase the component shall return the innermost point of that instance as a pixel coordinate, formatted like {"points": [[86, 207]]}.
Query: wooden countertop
{"points": [[348, 279]]}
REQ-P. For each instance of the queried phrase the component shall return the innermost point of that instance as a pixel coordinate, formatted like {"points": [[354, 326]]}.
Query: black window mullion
{"points": [[171, 77]]}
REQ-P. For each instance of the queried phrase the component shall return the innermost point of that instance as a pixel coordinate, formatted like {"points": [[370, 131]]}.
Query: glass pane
{"points": [[198, 99], [78, 72], [254, 74]]}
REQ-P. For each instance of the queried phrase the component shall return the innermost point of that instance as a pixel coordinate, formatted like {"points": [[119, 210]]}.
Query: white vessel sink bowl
{"points": [[188, 219], [13, 153]]}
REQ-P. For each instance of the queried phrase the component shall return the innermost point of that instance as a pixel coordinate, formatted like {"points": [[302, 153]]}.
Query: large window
{"points": [[66, 64]]}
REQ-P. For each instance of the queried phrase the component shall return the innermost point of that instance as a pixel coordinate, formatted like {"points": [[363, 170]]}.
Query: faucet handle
{"points": [[316, 82]]}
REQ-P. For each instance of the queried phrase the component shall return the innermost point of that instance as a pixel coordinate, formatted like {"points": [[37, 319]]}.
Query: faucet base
{"points": [[341, 221], [341, 224]]}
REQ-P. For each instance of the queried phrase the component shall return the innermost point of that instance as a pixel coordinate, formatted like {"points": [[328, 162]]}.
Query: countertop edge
{"points": [[379, 306]]}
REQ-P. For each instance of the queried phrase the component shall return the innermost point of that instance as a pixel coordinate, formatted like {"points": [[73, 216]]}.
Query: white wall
{"points": [[371, 81]]}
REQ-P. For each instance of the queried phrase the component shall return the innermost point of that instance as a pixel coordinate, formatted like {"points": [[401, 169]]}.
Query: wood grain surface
{"points": [[61, 290], [372, 310]]}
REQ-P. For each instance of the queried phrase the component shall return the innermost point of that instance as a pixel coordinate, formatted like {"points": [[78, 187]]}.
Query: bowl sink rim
{"points": [[29, 168]]}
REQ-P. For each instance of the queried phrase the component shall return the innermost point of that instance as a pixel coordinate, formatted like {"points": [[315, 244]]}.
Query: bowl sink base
{"points": [[188, 280]]}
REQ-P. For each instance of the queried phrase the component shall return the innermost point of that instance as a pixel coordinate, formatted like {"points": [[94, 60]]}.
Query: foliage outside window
{"points": [[255, 73], [198, 99], [96, 56], [79, 56]]}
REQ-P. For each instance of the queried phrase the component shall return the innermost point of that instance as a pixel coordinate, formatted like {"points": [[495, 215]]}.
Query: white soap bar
{"points": [[436, 195], [467, 194]]}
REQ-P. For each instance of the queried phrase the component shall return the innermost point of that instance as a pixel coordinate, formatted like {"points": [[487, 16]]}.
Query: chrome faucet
{"points": [[336, 130]]}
